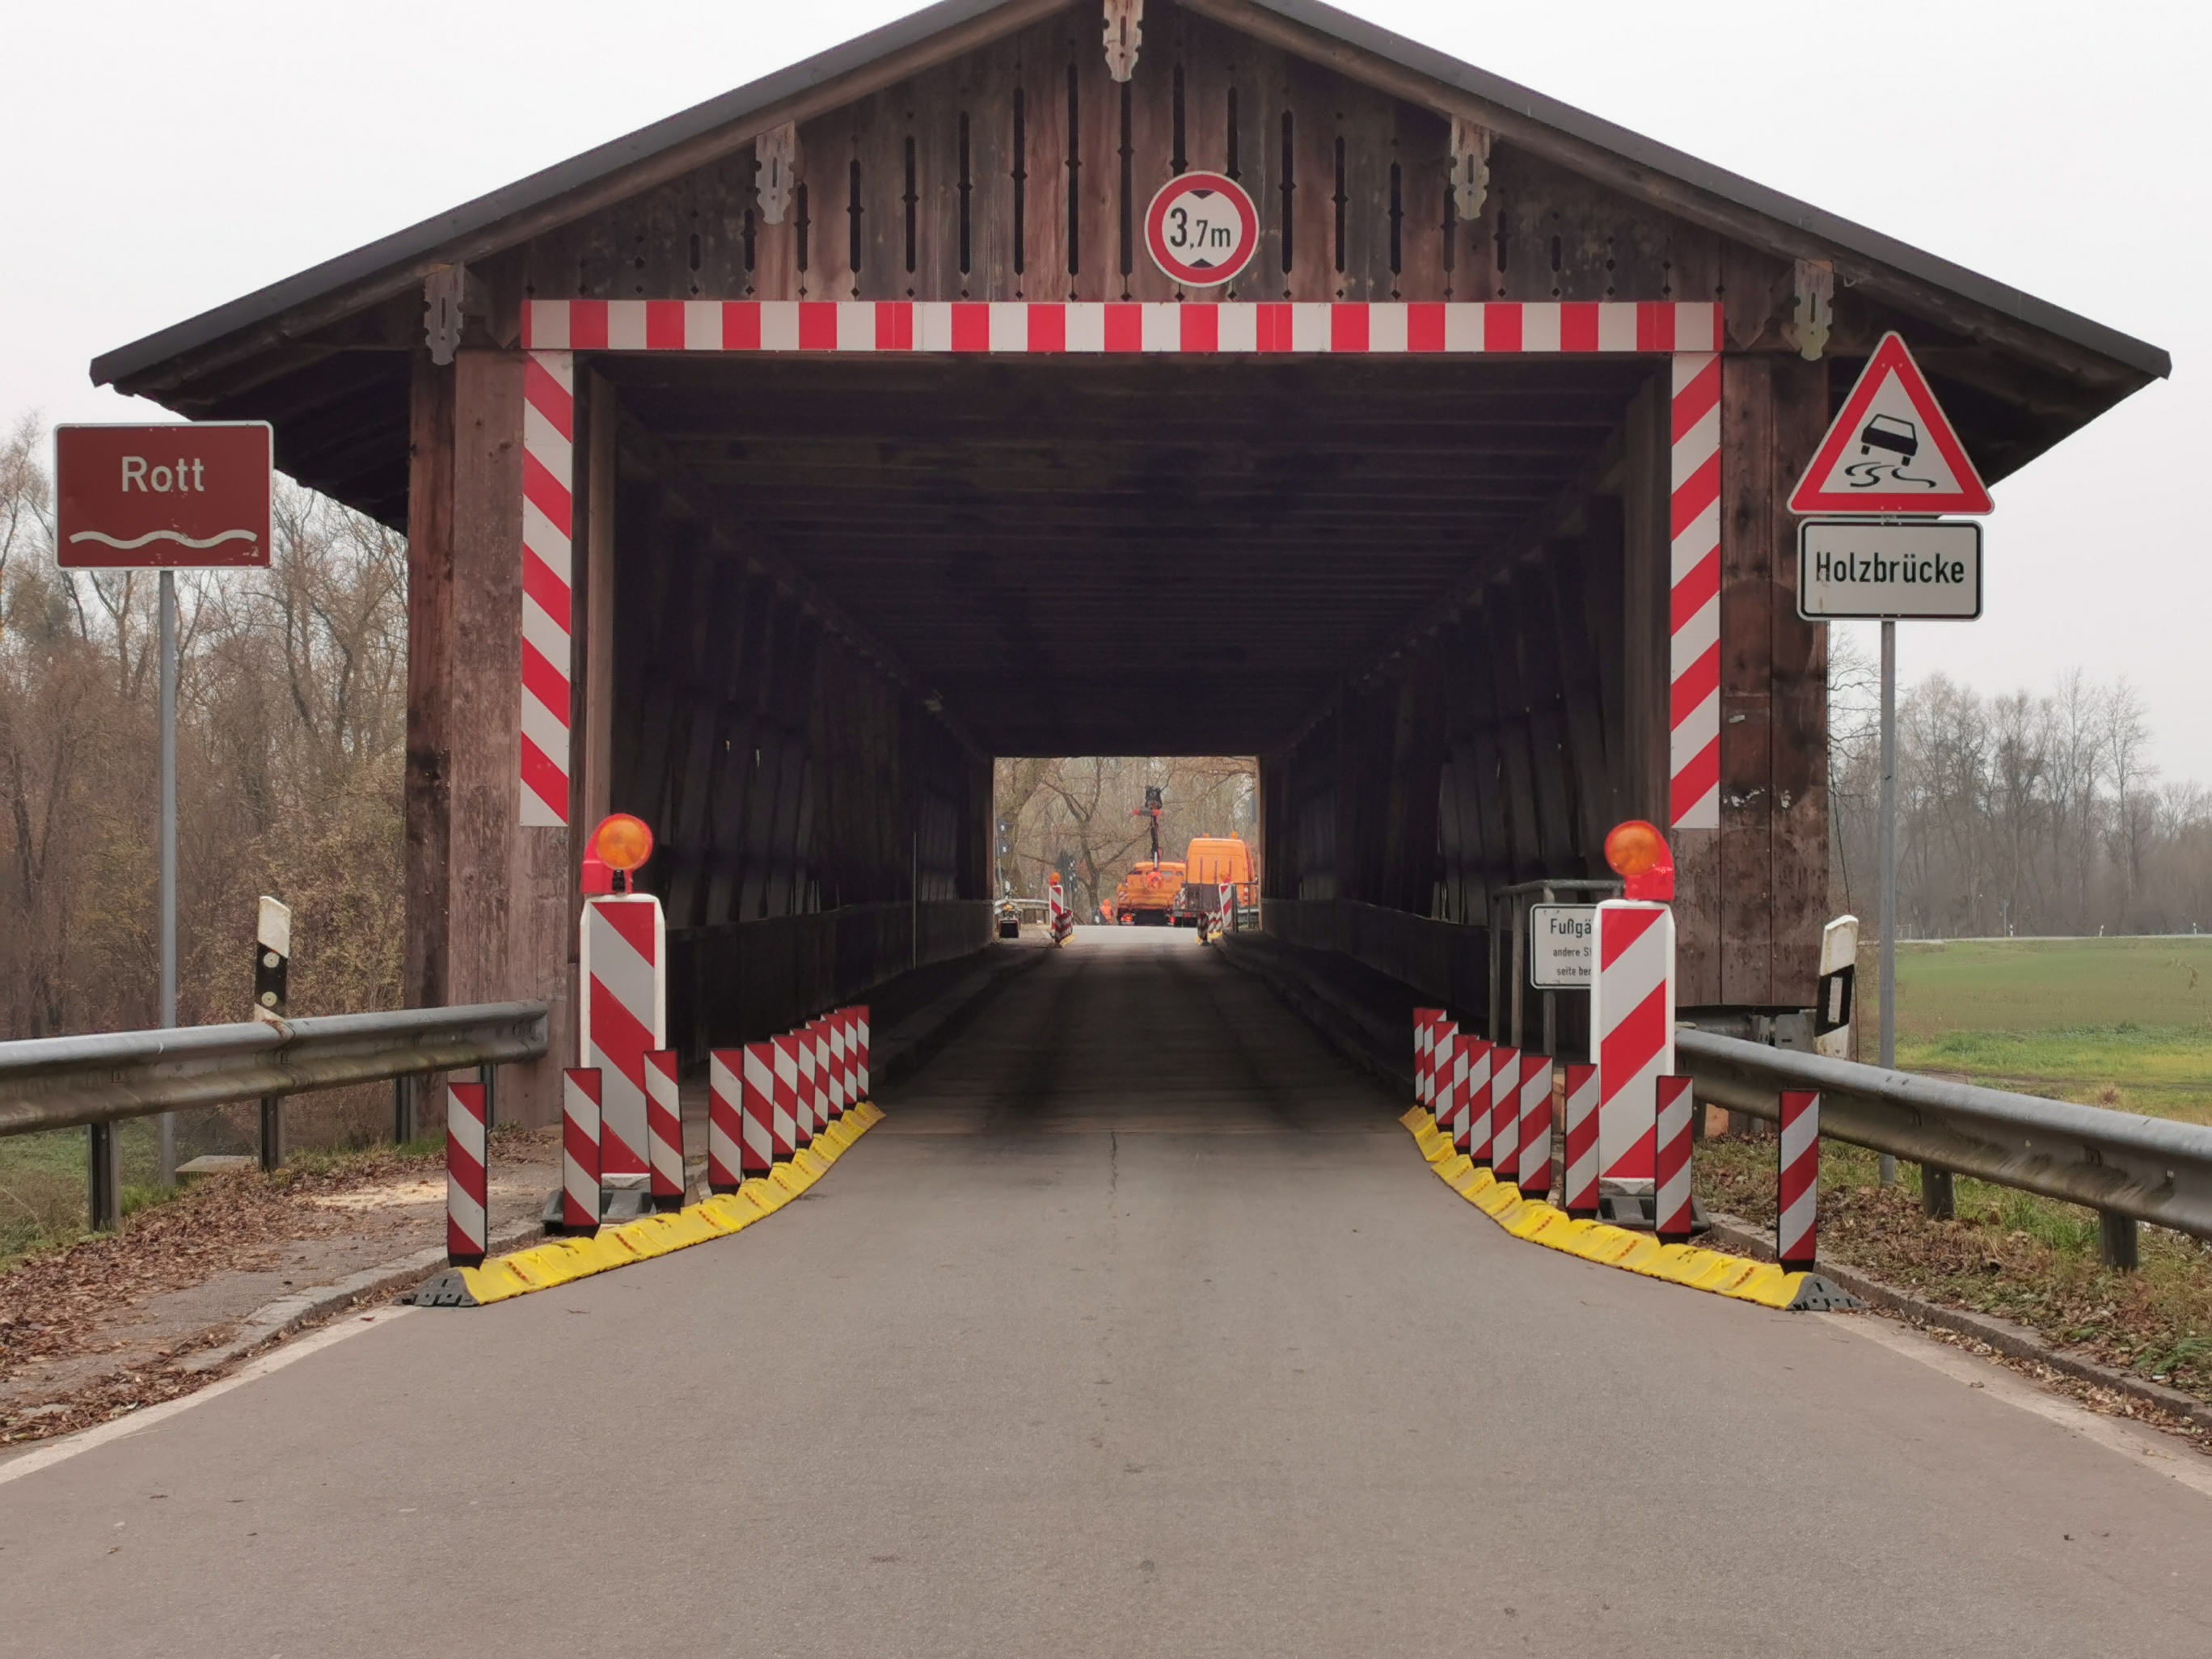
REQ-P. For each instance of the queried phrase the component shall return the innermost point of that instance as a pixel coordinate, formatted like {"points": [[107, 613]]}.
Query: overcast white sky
{"points": [[160, 159]]}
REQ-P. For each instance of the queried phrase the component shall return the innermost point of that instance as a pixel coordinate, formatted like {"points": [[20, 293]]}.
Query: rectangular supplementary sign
{"points": [[1561, 938], [144, 497], [1866, 568]]}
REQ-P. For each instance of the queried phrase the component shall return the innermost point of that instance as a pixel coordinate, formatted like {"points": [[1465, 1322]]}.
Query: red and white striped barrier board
{"points": [[1693, 767], [548, 425], [767, 1125], [826, 1109], [664, 1129], [1225, 907], [625, 1016], [1672, 1154], [1447, 1089], [788, 1108], [1535, 1126], [467, 1184], [1633, 1013], [810, 1082], [864, 1082], [1797, 1154], [1580, 1192], [1650, 327], [579, 1149], [1428, 1024], [1505, 1112], [1476, 1054], [725, 1119], [841, 1076]]}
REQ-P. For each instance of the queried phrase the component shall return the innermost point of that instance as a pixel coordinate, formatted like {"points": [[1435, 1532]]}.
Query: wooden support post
{"points": [[487, 900]]}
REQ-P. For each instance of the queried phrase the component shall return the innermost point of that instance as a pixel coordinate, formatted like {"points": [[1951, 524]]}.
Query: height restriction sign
{"points": [[1202, 229]]}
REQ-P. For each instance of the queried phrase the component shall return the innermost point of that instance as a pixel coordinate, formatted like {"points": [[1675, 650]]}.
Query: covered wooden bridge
{"points": [[767, 472]]}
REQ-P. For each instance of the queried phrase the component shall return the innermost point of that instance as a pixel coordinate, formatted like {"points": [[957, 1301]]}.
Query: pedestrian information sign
{"points": [[1202, 229], [1892, 449], [149, 497], [1868, 570], [1559, 946]]}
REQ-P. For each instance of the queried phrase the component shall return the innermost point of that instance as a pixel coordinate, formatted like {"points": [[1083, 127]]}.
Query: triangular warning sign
{"points": [[1892, 449]]}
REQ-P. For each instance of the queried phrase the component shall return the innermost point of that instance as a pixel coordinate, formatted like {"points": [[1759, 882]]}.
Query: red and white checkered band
{"points": [[864, 1081], [1693, 763], [549, 429], [1651, 326], [1632, 1011]]}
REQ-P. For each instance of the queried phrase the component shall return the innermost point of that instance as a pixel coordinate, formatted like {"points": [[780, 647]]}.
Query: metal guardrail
{"points": [[2137, 1169], [60, 1083]]}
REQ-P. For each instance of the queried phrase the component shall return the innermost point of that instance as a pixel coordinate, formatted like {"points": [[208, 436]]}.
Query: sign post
{"points": [[1872, 547], [160, 498]]}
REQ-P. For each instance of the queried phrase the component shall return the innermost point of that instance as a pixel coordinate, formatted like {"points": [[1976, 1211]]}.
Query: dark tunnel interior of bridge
{"points": [[844, 580]]}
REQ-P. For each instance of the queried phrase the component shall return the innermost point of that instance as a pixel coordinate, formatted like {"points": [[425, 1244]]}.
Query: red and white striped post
{"points": [[1535, 1126], [1632, 1011], [1226, 909], [579, 1150], [623, 965], [841, 1076], [1505, 1112], [1797, 1154], [1671, 1157], [1427, 1023], [725, 1119], [865, 1083], [826, 1108], [810, 1082], [1474, 1054], [768, 1126], [1447, 1089], [467, 1183], [1581, 1183], [787, 1109], [663, 1129]]}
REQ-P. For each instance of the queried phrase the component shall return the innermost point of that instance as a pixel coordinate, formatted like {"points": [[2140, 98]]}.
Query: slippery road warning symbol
{"points": [[1891, 450]]}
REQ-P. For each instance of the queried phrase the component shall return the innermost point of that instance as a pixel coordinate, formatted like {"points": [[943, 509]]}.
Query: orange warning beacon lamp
{"points": [[1638, 854], [621, 842]]}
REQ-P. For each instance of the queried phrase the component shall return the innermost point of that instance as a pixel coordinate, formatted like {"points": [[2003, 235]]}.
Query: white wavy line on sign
{"points": [[107, 540]]}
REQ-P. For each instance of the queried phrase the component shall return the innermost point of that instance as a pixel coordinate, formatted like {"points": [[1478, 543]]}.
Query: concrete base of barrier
{"points": [[1689, 1265], [563, 1260]]}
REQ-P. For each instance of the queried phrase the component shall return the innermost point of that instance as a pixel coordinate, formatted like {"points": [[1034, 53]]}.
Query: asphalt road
{"points": [[1139, 1328]]}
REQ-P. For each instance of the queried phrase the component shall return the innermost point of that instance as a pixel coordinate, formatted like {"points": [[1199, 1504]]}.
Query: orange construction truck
{"points": [[1147, 896], [1209, 861]]}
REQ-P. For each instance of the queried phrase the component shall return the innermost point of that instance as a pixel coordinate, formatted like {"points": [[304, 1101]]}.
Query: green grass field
{"points": [[2126, 1023]]}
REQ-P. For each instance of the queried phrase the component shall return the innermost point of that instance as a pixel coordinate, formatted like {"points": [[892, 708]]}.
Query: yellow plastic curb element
{"points": [[562, 1260], [1539, 1223]]}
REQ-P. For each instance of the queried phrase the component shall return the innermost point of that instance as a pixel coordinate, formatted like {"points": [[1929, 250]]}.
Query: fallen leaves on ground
{"points": [[2030, 1260]]}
